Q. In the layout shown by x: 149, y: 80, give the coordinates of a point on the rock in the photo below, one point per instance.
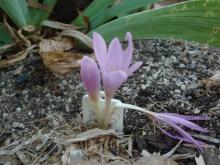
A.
x: 183, y: 87
x: 18, y: 109
x: 182, y: 65
x: 177, y: 91
x: 18, y: 125
x: 22, y: 79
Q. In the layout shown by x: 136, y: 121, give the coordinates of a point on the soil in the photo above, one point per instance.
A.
x: 66, y: 10
x: 32, y: 98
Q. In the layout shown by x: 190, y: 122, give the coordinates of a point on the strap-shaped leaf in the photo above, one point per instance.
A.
x: 92, y: 9
x: 5, y: 37
x: 122, y: 8
x: 17, y: 10
x: 40, y: 14
x: 196, y: 20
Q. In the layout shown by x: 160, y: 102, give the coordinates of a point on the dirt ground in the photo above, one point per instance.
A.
x: 37, y: 108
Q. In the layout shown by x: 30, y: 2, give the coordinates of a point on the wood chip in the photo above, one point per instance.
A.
x: 199, y: 160
x: 90, y: 134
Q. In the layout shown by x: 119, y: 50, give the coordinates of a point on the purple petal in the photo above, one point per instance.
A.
x: 183, y: 133
x: 134, y: 67
x: 112, y: 81
x: 114, y: 57
x: 127, y: 54
x: 100, y: 49
x: 179, y: 137
x: 188, y: 117
x: 181, y: 121
x: 91, y: 78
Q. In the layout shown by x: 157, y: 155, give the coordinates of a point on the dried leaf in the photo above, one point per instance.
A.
x: 53, y: 45
x: 73, y: 156
x: 59, y: 25
x: 90, y: 134
x: 61, y: 63
x: 37, y: 5
x: 78, y: 35
x: 211, y: 82
x: 216, y: 76
x: 152, y: 160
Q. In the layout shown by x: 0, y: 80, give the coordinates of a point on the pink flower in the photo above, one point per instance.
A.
x: 91, y: 78
x: 114, y: 62
x: 178, y: 123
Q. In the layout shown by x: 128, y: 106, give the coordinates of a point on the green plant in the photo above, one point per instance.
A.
x: 5, y: 37
x: 194, y: 20
x: 24, y: 13
x: 110, y: 9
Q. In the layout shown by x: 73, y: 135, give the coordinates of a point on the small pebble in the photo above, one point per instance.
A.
x: 143, y: 86
x: 30, y: 113
x: 183, y: 87
x: 177, y: 91
x: 67, y: 108
x: 18, y: 125
x: 182, y: 65
x: 18, y: 109
x: 197, y: 111
x: 21, y: 78
x: 69, y: 100
x: 5, y: 115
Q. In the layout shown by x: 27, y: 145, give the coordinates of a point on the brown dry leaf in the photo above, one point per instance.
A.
x: 54, y: 57
x: 211, y: 82
x: 61, y: 63
x: 88, y: 135
x: 49, y: 45
x: 35, y: 4
x: 78, y: 35
x: 216, y: 76
x: 59, y: 25
x: 152, y: 160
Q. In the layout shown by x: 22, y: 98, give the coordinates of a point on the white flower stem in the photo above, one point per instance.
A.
x: 129, y: 106
x: 107, y: 112
x: 97, y: 112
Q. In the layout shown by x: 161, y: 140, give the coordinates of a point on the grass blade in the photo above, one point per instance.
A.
x: 196, y: 20
x: 17, y: 10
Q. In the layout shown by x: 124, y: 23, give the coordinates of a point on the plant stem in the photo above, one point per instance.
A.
x: 97, y: 112
x: 107, y: 112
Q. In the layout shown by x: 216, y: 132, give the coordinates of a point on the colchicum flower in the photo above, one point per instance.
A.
x: 179, y: 123
x: 91, y: 78
x: 114, y: 63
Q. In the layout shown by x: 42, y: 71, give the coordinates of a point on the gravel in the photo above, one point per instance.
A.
x: 168, y: 81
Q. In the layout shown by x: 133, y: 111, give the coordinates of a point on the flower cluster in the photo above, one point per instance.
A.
x: 113, y: 69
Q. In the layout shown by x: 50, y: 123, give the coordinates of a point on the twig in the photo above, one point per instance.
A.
x: 207, y: 138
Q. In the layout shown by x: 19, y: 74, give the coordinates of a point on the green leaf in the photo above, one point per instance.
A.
x: 117, y: 10
x: 196, y: 20
x: 17, y: 10
x: 5, y: 35
x: 92, y: 9
x: 39, y: 15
